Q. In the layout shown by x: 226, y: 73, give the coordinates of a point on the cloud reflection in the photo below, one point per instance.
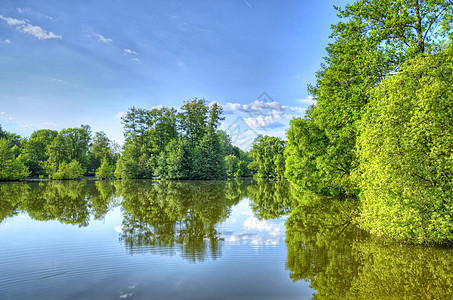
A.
x: 257, y: 232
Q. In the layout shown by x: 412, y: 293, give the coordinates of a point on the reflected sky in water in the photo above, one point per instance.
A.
x: 201, y: 240
x: 242, y: 256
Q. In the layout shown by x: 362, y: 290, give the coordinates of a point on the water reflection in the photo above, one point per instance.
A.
x: 324, y: 247
x: 271, y: 199
x: 341, y: 261
x: 319, y: 237
x: 10, y: 196
x: 70, y: 202
x: 161, y: 216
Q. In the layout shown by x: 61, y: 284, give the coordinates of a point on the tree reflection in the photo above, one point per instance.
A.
x: 70, y: 202
x: 341, y: 261
x: 11, y: 195
x: 101, y: 198
x: 397, y: 271
x: 271, y: 199
x: 167, y: 215
x: 319, y: 238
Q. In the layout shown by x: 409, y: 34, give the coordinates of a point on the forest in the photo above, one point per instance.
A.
x: 381, y: 130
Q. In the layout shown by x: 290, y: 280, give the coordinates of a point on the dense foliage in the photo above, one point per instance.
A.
x: 380, y: 129
x: 371, y: 42
x: 68, y: 154
x: 186, y: 144
x: 406, y: 153
x: 268, y: 157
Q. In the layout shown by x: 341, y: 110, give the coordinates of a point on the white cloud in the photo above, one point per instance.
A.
x: 297, y: 109
x: 136, y: 60
x: 118, y: 228
x: 39, y: 33
x: 257, y: 232
x: 104, y: 39
x: 262, y: 122
x: 257, y: 106
x: 12, y: 21
x: 7, y: 41
x: 129, y: 51
x: 308, y: 100
x: 263, y: 225
x: 28, y: 28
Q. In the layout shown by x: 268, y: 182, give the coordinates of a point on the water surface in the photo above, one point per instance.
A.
x: 200, y: 240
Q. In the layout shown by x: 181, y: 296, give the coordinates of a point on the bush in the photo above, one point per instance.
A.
x: 105, y: 171
x: 72, y: 170
x: 406, y: 153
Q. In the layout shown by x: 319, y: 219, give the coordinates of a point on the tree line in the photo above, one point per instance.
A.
x: 68, y: 154
x: 161, y: 143
x: 382, y: 126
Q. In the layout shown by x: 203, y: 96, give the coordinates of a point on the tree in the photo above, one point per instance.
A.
x: 11, y: 167
x: 372, y: 41
x: 268, y: 153
x: 241, y: 170
x: 100, y: 148
x: 77, y: 143
x: 165, y: 144
x: 179, y: 159
x: 208, y: 160
x: 405, y: 150
x: 193, y: 119
x: 105, y: 171
x: 34, y: 152
x: 71, y: 170
x: 69, y: 145
x: 231, y: 162
x: 307, y: 152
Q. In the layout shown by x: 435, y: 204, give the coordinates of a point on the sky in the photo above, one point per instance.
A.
x: 67, y: 63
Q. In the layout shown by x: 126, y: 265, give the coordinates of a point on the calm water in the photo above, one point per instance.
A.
x: 200, y: 240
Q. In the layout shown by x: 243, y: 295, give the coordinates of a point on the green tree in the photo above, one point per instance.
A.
x: 231, y: 162
x: 372, y: 41
x: 165, y: 144
x: 34, y: 152
x: 241, y: 169
x: 179, y: 160
x: 208, y: 160
x: 268, y: 153
x: 193, y: 119
x: 105, y: 170
x: 405, y: 150
x: 71, y: 170
x: 69, y: 145
x: 306, y: 154
x: 100, y: 148
x: 11, y: 166
x: 77, y: 142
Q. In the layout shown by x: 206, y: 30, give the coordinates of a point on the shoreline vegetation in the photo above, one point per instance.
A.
x: 162, y: 143
x: 381, y: 130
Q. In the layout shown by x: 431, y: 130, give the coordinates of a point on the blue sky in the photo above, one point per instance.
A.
x: 67, y: 63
